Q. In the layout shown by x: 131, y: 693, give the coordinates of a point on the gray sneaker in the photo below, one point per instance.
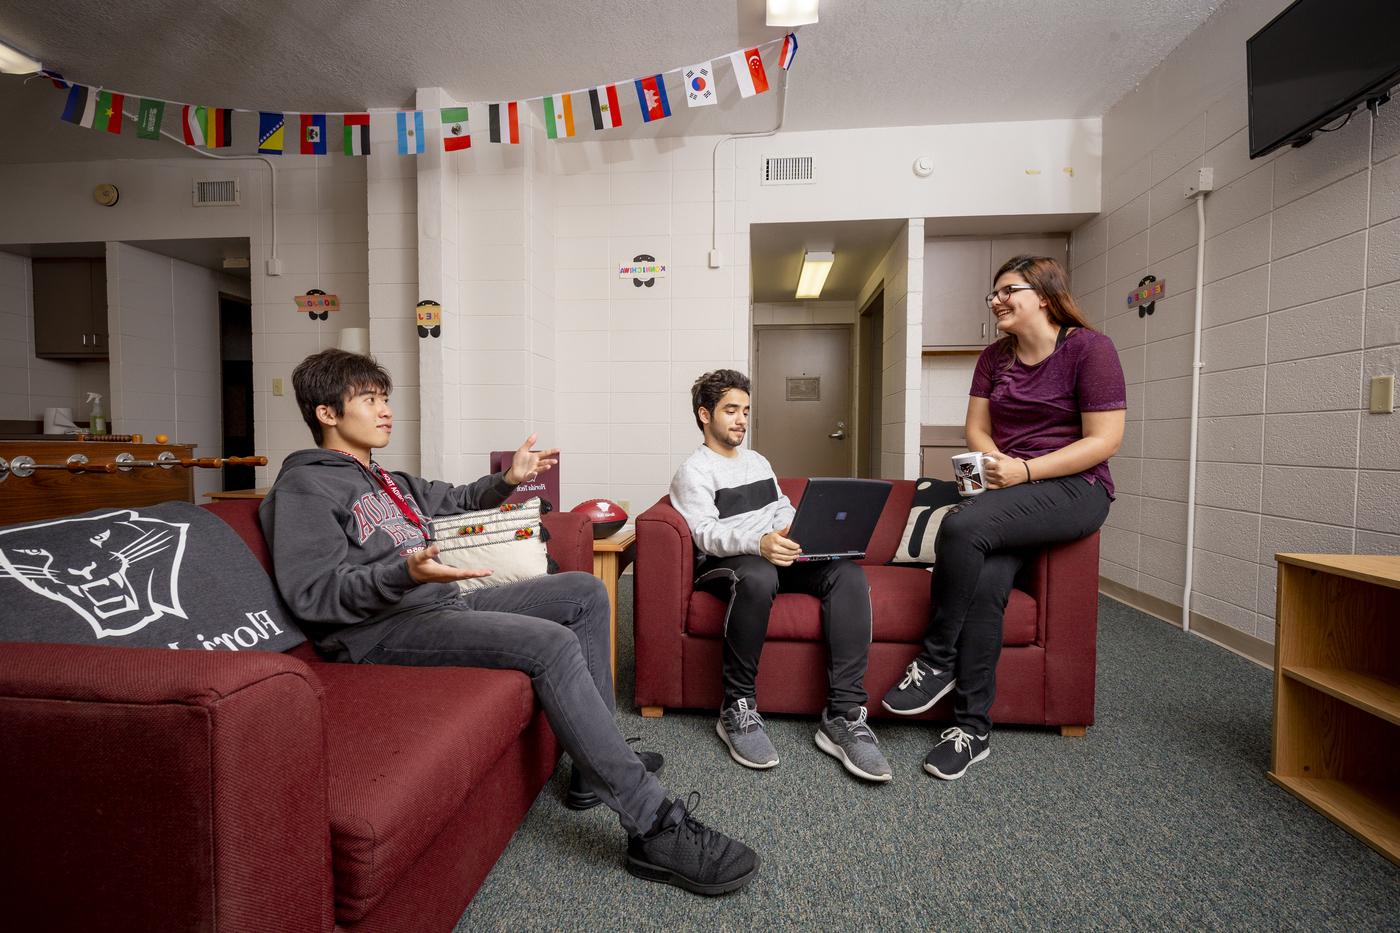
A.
x: 741, y: 728
x: 850, y: 741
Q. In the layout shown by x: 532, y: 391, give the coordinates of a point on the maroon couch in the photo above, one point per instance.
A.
x: 1046, y: 672
x: 192, y: 790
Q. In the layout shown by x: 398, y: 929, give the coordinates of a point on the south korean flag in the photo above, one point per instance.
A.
x: 700, y: 86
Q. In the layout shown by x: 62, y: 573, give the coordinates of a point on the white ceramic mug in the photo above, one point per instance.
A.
x: 967, y: 472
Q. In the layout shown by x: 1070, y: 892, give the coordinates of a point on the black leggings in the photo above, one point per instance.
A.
x: 981, y: 545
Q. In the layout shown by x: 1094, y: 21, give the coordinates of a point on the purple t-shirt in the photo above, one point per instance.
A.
x: 1036, y: 409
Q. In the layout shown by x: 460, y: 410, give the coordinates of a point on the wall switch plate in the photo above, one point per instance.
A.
x: 277, y: 386
x: 1382, y: 394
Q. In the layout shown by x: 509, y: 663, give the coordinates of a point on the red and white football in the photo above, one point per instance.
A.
x: 607, y: 516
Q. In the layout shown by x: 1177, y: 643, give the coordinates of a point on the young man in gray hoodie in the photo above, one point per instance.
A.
x: 350, y: 548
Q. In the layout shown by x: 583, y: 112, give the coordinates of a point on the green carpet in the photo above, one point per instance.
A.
x: 1161, y: 818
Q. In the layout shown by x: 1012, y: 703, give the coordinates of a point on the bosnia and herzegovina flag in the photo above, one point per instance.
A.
x: 356, y: 134
x: 272, y: 133
x: 651, y: 94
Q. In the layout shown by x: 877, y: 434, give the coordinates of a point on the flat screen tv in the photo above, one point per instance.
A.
x: 1315, y: 62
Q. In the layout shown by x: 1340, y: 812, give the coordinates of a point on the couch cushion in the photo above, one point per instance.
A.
x: 404, y: 748
x: 899, y: 600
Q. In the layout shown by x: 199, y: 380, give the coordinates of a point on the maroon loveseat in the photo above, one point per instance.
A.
x: 1046, y: 672
x: 190, y: 790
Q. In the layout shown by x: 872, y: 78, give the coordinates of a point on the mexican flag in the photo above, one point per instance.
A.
x: 456, y: 132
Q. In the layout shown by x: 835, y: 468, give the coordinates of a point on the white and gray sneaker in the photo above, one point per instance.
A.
x: 741, y: 728
x: 850, y: 741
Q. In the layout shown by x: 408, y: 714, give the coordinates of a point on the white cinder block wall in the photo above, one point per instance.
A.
x: 1302, y: 306
x: 28, y: 385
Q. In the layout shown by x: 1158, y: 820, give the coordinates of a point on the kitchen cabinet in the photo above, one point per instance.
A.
x: 958, y: 273
x: 70, y: 308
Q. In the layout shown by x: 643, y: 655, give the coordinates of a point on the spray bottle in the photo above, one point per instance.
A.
x: 97, y: 421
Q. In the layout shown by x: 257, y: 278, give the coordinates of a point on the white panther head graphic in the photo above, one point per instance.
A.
x: 118, y: 571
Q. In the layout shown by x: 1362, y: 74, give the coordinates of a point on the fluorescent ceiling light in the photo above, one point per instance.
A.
x: 15, y: 62
x: 815, y: 268
x: 792, y: 12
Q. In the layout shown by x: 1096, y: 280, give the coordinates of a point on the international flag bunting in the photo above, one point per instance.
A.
x: 272, y: 133
x: 80, y: 105
x: 651, y: 95
x: 559, y: 116
x: 356, y: 134
x: 748, y: 71
x: 789, y: 51
x: 700, y: 85
x: 219, y: 128
x: 193, y: 121
x: 108, y: 117
x: 54, y: 78
x: 149, y: 118
x: 456, y: 132
x: 410, y: 132
x: 505, y: 122
x: 313, y: 134
x: 607, y: 113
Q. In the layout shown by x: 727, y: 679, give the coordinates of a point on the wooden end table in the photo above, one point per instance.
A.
x: 611, y: 556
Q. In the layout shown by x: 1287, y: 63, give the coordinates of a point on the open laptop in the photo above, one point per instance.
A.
x: 836, y: 517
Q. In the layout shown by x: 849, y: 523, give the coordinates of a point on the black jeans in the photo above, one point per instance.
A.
x: 980, y: 547
x: 749, y: 583
x: 555, y: 630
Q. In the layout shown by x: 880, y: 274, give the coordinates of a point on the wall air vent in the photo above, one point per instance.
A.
x: 216, y: 193
x: 788, y: 170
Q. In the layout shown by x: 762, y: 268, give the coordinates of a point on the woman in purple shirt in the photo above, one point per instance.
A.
x: 1047, y: 405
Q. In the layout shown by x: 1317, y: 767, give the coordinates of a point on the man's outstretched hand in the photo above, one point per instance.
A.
x: 528, y: 464
x: 424, y: 567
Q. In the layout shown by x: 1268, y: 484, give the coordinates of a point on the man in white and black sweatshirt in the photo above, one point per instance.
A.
x: 739, y: 520
x: 351, y: 555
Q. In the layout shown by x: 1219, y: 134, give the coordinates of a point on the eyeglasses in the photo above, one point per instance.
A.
x: 1003, y: 293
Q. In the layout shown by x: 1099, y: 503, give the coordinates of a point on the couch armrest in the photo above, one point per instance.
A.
x: 1065, y: 582
x: 662, y: 586
x: 158, y: 789
x: 570, y: 540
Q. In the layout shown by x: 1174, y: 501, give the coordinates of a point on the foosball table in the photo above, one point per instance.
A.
x: 51, y: 478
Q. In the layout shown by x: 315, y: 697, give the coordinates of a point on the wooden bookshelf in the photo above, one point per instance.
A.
x: 1337, y: 690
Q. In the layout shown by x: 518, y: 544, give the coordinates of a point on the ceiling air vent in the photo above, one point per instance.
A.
x: 788, y: 170
x: 216, y: 193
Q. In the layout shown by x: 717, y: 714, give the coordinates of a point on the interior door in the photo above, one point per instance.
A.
x: 802, y: 400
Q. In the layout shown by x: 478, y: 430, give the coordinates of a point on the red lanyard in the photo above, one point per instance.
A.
x: 391, y: 488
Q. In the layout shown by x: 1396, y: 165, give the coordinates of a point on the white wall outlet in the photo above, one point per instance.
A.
x: 274, y: 266
x: 1203, y: 182
x: 1382, y: 394
x: 277, y: 386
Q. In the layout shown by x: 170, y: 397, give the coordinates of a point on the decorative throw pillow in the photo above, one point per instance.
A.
x: 507, y: 540
x: 170, y: 575
x: 933, y: 498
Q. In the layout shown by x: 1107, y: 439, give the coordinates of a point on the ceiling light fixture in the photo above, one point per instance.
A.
x: 15, y: 62
x: 792, y: 12
x: 815, y: 268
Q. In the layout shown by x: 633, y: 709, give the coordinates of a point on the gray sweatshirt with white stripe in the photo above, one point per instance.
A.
x: 729, y: 502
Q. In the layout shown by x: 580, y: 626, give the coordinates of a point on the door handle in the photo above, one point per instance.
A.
x: 840, y: 433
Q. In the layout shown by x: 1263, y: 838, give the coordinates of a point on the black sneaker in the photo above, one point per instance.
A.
x: 680, y: 850
x: 921, y: 687
x: 958, y: 749
x: 581, y: 798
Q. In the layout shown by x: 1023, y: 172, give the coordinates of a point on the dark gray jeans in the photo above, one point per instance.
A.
x: 554, y: 629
